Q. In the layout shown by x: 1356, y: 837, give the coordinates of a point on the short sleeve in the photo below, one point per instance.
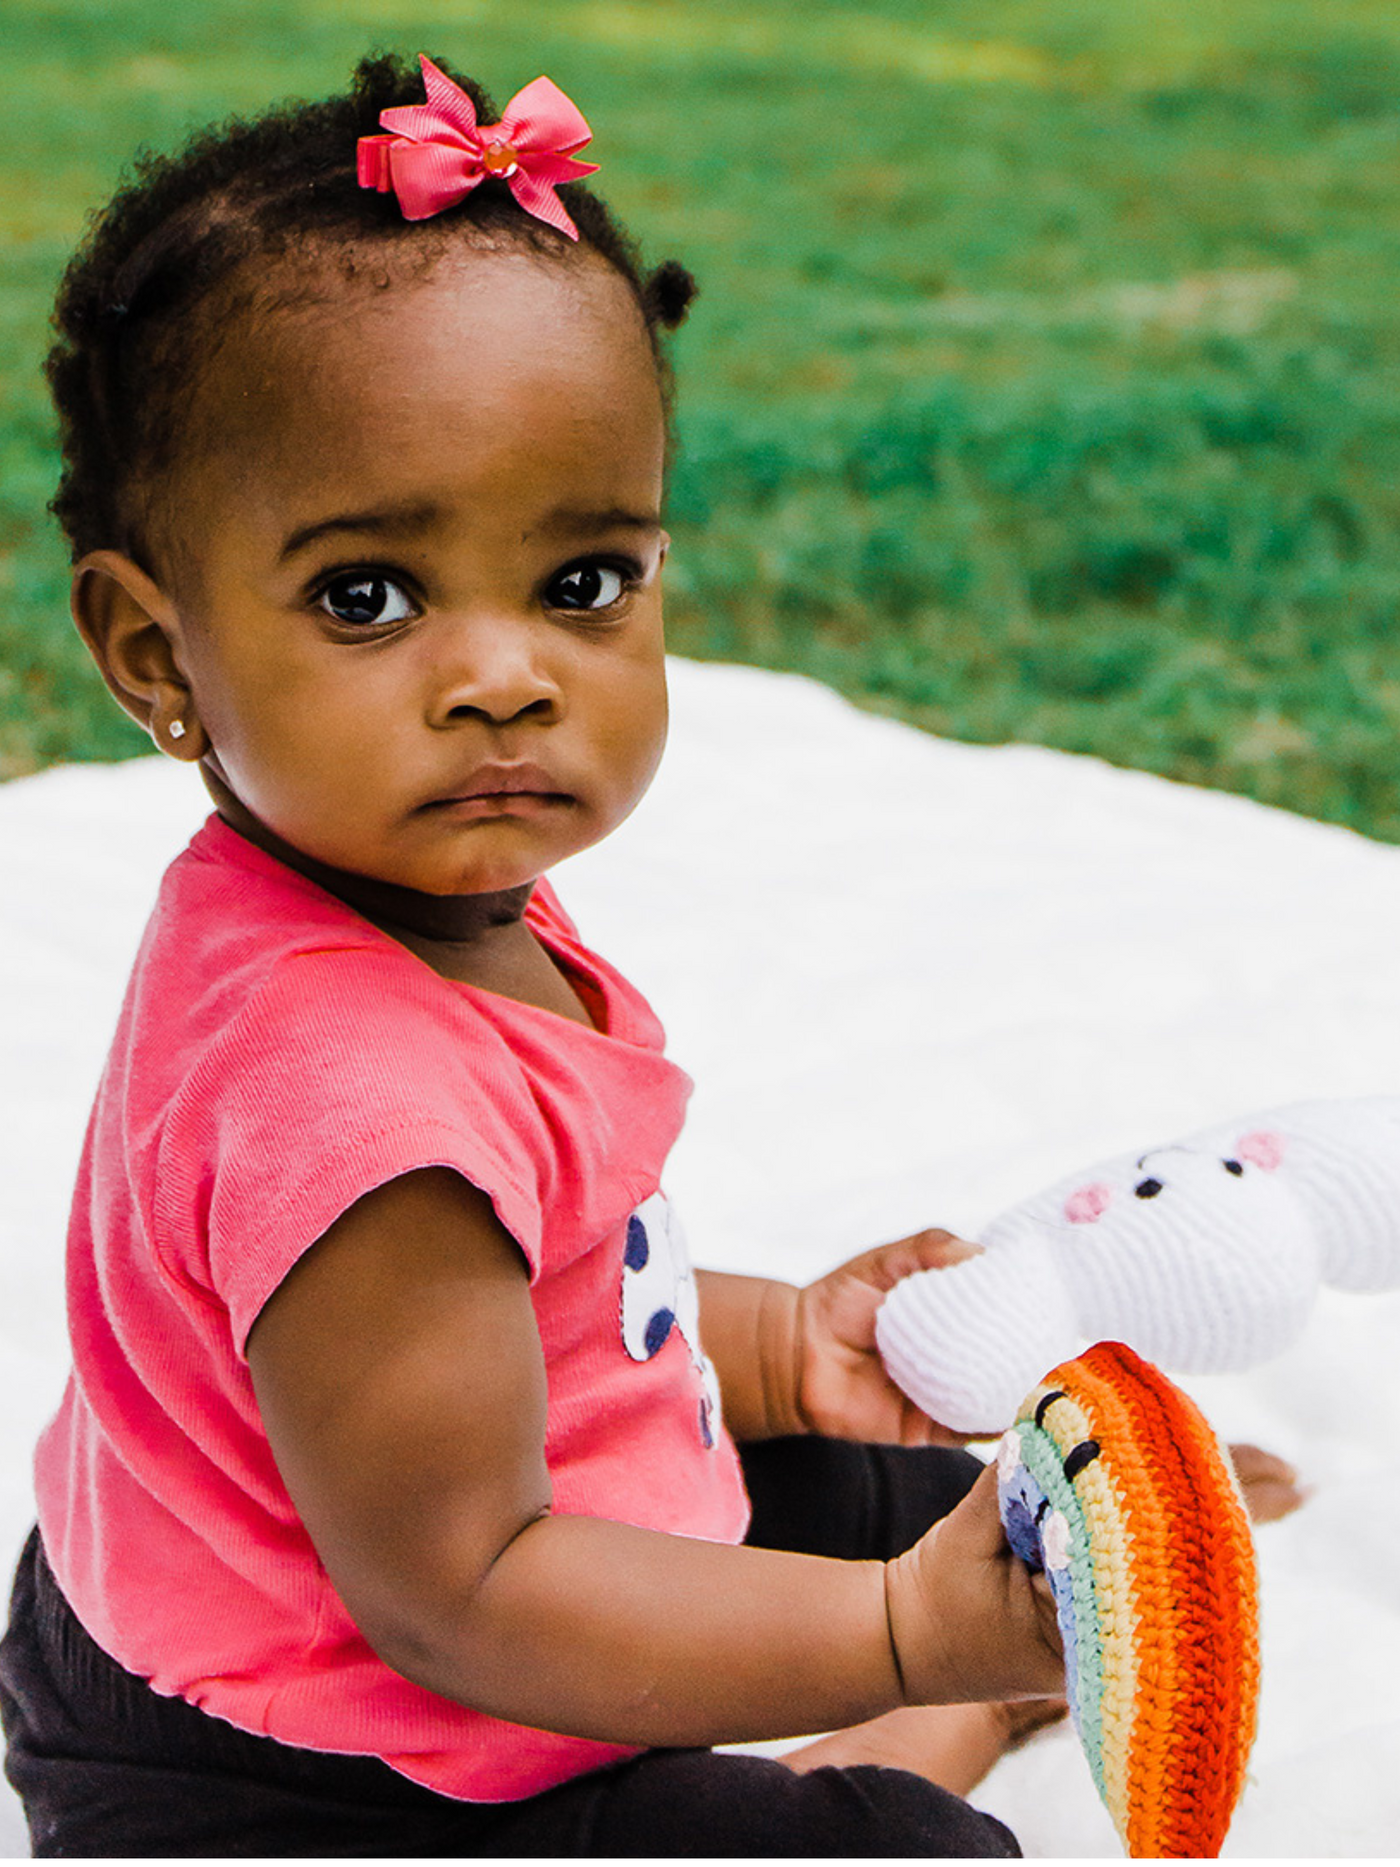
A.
x: 346, y: 1069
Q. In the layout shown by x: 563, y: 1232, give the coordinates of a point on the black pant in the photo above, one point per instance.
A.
x: 107, y: 1767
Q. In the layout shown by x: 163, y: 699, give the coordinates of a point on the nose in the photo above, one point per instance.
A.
x: 495, y: 670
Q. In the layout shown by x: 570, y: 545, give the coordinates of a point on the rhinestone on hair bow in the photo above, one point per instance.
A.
x: 436, y: 153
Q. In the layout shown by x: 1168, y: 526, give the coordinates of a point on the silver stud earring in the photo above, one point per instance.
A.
x: 177, y: 729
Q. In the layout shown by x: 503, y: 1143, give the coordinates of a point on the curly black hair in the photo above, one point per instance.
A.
x: 136, y: 306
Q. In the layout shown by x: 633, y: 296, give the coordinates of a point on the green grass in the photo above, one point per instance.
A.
x: 1045, y: 382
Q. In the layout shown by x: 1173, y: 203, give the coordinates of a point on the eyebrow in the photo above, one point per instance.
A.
x: 586, y: 519
x: 567, y: 522
x: 573, y: 520
x: 410, y: 518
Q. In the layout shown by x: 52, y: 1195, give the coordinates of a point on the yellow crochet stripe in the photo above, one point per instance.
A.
x: 1153, y: 1738
x: 1118, y: 1616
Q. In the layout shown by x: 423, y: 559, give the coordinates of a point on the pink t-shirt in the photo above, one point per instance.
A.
x: 276, y: 1058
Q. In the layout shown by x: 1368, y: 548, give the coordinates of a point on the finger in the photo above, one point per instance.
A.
x: 944, y: 1436
x: 916, y: 1428
x: 931, y: 1250
x: 1040, y: 1586
x: 935, y: 1247
x: 978, y: 1519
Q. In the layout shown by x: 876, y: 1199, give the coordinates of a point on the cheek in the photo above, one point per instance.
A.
x: 253, y: 720
x: 286, y: 743
x: 638, y: 717
x: 255, y: 688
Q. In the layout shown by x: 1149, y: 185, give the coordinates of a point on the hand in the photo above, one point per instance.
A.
x: 968, y: 1619
x: 842, y: 1389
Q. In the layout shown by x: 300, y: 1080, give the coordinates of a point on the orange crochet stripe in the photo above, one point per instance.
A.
x: 1211, y: 1719
x: 1195, y: 1594
x: 1112, y: 1480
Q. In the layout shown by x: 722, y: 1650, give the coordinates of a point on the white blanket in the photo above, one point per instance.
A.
x: 914, y: 980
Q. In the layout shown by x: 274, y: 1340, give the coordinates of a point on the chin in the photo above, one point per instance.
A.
x: 498, y: 879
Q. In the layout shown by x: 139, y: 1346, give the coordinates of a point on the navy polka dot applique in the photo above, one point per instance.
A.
x: 660, y: 1300
x: 638, y: 1249
x: 659, y: 1326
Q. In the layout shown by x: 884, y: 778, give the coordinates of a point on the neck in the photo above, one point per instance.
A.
x: 454, y: 920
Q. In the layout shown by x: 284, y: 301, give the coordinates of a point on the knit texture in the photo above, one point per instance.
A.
x: 1113, y: 1483
x: 1205, y: 1254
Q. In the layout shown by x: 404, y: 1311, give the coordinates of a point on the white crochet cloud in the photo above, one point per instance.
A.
x: 1204, y: 1256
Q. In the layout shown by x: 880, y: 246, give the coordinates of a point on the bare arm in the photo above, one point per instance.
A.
x: 748, y: 1326
x: 401, y: 1382
x: 402, y: 1386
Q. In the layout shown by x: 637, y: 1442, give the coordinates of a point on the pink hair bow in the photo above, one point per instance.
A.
x: 437, y: 154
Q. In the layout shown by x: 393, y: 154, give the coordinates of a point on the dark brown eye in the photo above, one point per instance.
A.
x: 363, y: 600
x: 587, y: 586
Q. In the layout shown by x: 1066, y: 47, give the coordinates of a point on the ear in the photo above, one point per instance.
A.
x: 132, y: 631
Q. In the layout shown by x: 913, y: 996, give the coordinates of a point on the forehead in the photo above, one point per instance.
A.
x: 492, y: 372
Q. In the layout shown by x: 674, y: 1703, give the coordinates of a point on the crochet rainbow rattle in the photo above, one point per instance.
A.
x: 1205, y: 1255
x: 1112, y: 1482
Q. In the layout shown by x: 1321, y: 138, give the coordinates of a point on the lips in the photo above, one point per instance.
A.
x: 504, y: 783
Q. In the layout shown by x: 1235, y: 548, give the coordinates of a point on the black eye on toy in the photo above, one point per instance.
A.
x: 1148, y: 1189
x: 1232, y: 1166
x: 1079, y: 1456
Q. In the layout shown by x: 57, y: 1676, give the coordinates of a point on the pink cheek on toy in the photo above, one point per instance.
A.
x: 1261, y: 1150
x: 1088, y: 1203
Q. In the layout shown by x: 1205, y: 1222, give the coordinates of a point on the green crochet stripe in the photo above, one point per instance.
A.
x: 1046, y: 1463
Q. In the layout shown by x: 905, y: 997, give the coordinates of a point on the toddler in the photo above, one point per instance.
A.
x: 410, y: 1495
